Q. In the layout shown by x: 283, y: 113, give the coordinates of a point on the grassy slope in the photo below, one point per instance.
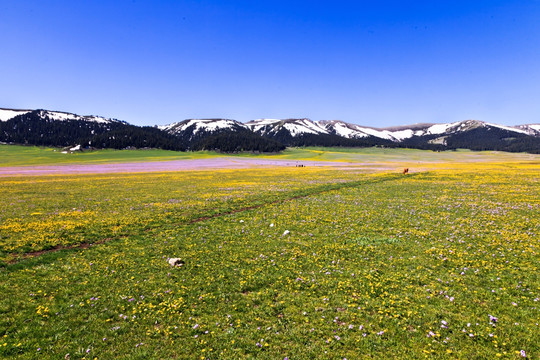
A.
x: 14, y: 155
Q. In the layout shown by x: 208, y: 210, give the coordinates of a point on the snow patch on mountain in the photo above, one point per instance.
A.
x: 439, y: 128
x: 383, y: 134
x: 7, y: 114
x: 443, y: 129
x: 343, y: 129
x: 352, y: 131
x: 346, y: 131
x: 509, y: 128
x: 473, y: 124
x: 303, y: 126
x: 259, y: 125
x: 208, y: 125
x: 294, y: 126
x: 530, y: 129
x: 403, y: 134
x: 64, y: 116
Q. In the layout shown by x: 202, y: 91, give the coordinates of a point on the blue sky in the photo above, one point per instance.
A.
x: 374, y: 63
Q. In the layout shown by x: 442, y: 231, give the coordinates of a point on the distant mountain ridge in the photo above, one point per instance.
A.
x: 397, y: 133
x: 7, y: 114
x: 57, y: 128
x: 195, y: 129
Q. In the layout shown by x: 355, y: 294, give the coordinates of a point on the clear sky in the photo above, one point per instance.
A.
x: 375, y: 63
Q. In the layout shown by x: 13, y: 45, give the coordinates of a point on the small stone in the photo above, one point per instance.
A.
x: 176, y: 262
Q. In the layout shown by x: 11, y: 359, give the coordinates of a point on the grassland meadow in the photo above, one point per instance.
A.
x: 279, y: 263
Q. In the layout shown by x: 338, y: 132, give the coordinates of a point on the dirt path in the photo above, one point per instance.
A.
x: 173, y: 165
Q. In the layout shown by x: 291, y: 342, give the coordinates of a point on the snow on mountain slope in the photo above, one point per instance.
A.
x: 305, y: 126
x: 65, y: 116
x: 351, y: 131
x: 401, y: 133
x: 383, y: 134
x: 295, y: 127
x: 473, y: 124
x: 204, y: 125
x: 509, y: 128
x: 343, y: 129
x: 6, y: 114
x: 438, y: 129
x: 406, y: 132
x: 530, y: 129
x: 260, y: 125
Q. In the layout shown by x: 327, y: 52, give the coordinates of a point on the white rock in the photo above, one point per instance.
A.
x: 176, y: 262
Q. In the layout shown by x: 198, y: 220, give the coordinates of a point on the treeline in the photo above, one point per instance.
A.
x: 232, y: 142
x: 479, y: 139
x: 326, y: 140
x: 494, y: 139
x: 136, y: 137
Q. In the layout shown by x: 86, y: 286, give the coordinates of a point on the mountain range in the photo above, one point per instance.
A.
x: 56, y: 128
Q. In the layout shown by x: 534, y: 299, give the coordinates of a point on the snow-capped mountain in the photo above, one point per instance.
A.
x: 65, y: 116
x: 8, y: 114
x: 354, y: 131
x: 219, y: 134
x: 472, y: 134
x: 195, y: 126
x: 400, y: 133
x: 467, y: 125
x: 294, y: 127
x: 57, y: 128
x: 297, y: 127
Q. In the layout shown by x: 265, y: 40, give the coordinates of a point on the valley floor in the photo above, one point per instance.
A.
x: 280, y: 262
x: 176, y: 165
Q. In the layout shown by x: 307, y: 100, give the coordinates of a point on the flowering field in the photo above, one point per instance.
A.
x: 15, y: 155
x: 293, y: 263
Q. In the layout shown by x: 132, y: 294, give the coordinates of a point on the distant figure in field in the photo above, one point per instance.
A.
x: 406, y: 171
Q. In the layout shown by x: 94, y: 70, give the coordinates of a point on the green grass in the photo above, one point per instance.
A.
x: 15, y: 155
x: 411, y: 156
x: 373, y: 265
